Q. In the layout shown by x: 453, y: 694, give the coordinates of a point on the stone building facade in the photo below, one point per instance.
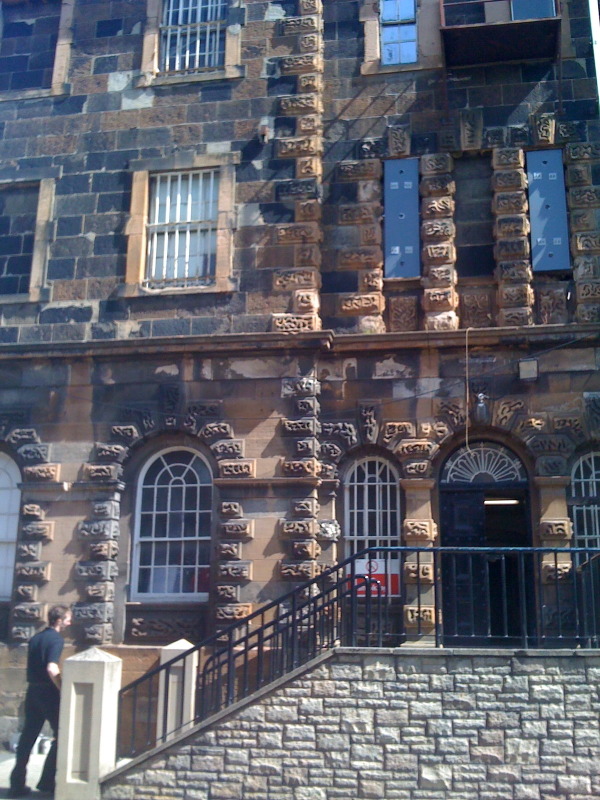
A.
x: 206, y: 285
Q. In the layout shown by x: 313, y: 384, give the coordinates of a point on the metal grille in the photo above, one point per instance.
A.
x: 372, y: 507
x: 483, y: 462
x: 193, y: 35
x: 398, y: 32
x: 182, y: 228
x: 172, y: 552
x: 585, y: 500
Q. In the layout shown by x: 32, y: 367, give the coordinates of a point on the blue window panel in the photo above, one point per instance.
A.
x: 548, y: 211
x: 401, y: 221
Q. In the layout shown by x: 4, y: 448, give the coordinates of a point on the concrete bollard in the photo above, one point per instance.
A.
x: 87, y: 737
x: 179, y: 712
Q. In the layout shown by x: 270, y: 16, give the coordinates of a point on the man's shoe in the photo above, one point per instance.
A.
x: 19, y: 791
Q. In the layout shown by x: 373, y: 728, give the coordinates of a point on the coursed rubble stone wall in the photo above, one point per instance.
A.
x: 399, y: 725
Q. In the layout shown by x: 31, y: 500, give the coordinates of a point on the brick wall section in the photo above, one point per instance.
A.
x: 398, y: 725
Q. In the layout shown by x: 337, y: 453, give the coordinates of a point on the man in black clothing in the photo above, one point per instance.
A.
x: 42, y: 701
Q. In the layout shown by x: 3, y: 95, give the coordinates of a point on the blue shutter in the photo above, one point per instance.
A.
x: 548, y: 211
x: 401, y: 222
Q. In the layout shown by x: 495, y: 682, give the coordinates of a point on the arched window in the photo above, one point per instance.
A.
x: 10, y: 500
x: 171, y: 559
x: 372, y: 506
x: 585, y: 500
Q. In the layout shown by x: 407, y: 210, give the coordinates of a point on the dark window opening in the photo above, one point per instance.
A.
x: 474, y: 220
x: 18, y: 210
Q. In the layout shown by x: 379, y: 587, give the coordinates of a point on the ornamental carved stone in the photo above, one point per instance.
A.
x: 419, y: 616
x: 518, y: 271
x: 416, y: 469
x: 298, y: 570
x: 106, y: 509
x: 227, y: 593
x: 44, y: 473
x: 582, y: 152
x: 230, y: 509
x: 285, y: 280
x: 419, y: 530
x: 343, y: 430
x: 360, y: 257
x: 552, y: 305
x: 301, y: 468
x: 397, y: 430
x: 93, y: 612
x: 103, y: 591
x: 307, y: 548
x: 301, y: 427
x: 33, y: 510
x: 102, y: 472
x: 230, y: 551
x: 299, y: 146
x: 34, y: 453
x: 556, y: 529
x: 30, y: 571
x: 592, y: 412
x: 305, y: 387
x: 39, y: 529
x: 436, y: 164
x: 103, y: 550
x: 306, y: 506
x: 111, y: 452
x: 216, y: 430
x: 96, y: 570
x: 432, y: 207
x: 26, y: 592
x: 329, y: 530
x: 128, y: 433
x: 416, y: 448
x: 307, y: 447
x: 403, y: 313
x: 95, y: 529
x: 235, y: 570
x: 228, y: 448
x: 299, y: 527
x: 98, y: 633
x: 421, y: 574
x: 238, y: 527
x: 554, y: 573
x: 510, y: 203
x: 296, y: 105
x: 295, y: 323
x: 364, y: 170
x: 29, y: 551
x: 31, y: 612
x: 505, y: 157
x: 22, y: 436
x: 398, y: 141
x: 302, y: 64
x: 242, y: 468
x: 233, y: 612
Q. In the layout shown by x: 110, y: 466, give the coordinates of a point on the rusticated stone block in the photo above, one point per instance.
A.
x: 307, y: 528
x: 584, y: 197
x: 508, y: 158
x: 20, y: 436
x: 416, y: 448
x: 439, y: 275
x: 305, y: 386
x: 93, y: 612
x: 556, y: 529
x: 310, y: 42
x: 307, y: 255
x: 216, y: 430
x: 544, y: 128
x: 33, y: 453
x: 238, y: 527
x: 127, y: 432
x: 305, y: 302
x: 364, y: 170
x: 586, y: 268
x: 437, y: 186
x: 584, y: 219
x: 371, y: 281
x: 514, y: 317
x: 98, y: 633
x: 298, y: 105
x: 31, y: 612
x: 310, y: 7
x: 298, y: 233
x: 586, y: 242
x: 305, y: 549
x: 471, y: 128
x: 303, y: 64
x: 398, y: 141
x: 295, y: 323
x: 21, y: 633
x: 514, y: 295
x: 517, y: 225
x: 228, y: 448
x: 588, y: 313
x: 30, y: 571
x: 507, y: 249
x: 299, y: 146
x: 439, y: 228
x: 233, y: 612
x: 508, y: 179
x: 437, y: 207
x: 285, y: 280
x: 102, y: 472
x: 39, y: 529
x: 29, y: 551
x: 358, y: 214
x: 299, y: 25
x: 299, y: 571
x: 476, y: 309
x: 436, y: 164
x: 310, y: 83
x: 234, y: 570
x: 33, y: 510
x: 510, y: 203
x: 301, y: 468
x: 418, y: 573
x: 101, y: 591
x: 552, y: 305
x: 103, y: 550
x: 360, y: 258
x: 513, y: 272
x: 439, y: 253
x: 580, y: 151
x: 441, y: 321
x: 440, y: 299
x: 227, y: 593
x: 96, y: 570
x: 588, y: 291
x: 419, y: 616
x: 308, y: 210
x: 356, y: 304
x: 95, y: 529
x: 579, y: 174
x: 42, y: 472
x: 240, y: 468
x: 370, y: 234
x: 229, y: 551
x: 397, y: 430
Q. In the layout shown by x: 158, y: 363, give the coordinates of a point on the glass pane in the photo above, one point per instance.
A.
x: 390, y: 54
x: 160, y: 553
x: 203, y: 579
x: 408, y: 52
x: 144, y: 580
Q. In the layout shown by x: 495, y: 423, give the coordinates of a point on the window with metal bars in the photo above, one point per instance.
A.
x: 171, y: 559
x: 372, y: 506
x: 398, y: 27
x: 192, y: 35
x: 584, y: 500
x: 10, y: 502
x: 182, y: 228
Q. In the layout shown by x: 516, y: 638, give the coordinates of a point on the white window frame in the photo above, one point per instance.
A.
x: 10, y: 505
x: 192, y: 35
x: 394, y: 27
x: 150, y: 517
x: 138, y: 229
x: 182, y: 229
x: 153, y: 70
x: 386, y: 512
x: 584, y: 497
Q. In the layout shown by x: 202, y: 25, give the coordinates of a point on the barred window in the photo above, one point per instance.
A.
x: 372, y: 506
x: 584, y: 500
x: 398, y: 24
x: 10, y: 499
x: 182, y: 228
x: 171, y: 559
x: 192, y: 35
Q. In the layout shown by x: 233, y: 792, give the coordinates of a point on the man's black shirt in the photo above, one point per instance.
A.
x: 45, y: 647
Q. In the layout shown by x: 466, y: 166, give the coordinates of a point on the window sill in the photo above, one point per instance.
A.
x: 35, y: 295
x: 159, y: 600
x: 138, y: 290
x: 164, y: 79
x: 377, y: 68
x: 60, y: 90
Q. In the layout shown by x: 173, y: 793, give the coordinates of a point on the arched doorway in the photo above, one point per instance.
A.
x: 487, y: 597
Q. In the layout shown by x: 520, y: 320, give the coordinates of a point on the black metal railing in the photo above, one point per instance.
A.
x: 502, y: 597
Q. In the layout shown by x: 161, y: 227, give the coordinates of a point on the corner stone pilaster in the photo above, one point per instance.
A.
x: 584, y: 205
x: 438, y: 233
x: 511, y: 230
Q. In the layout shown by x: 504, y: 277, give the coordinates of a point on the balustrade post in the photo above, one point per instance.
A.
x: 87, y: 739
x: 176, y: 691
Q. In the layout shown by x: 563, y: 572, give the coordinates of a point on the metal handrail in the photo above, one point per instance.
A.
x: 513, y: 596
